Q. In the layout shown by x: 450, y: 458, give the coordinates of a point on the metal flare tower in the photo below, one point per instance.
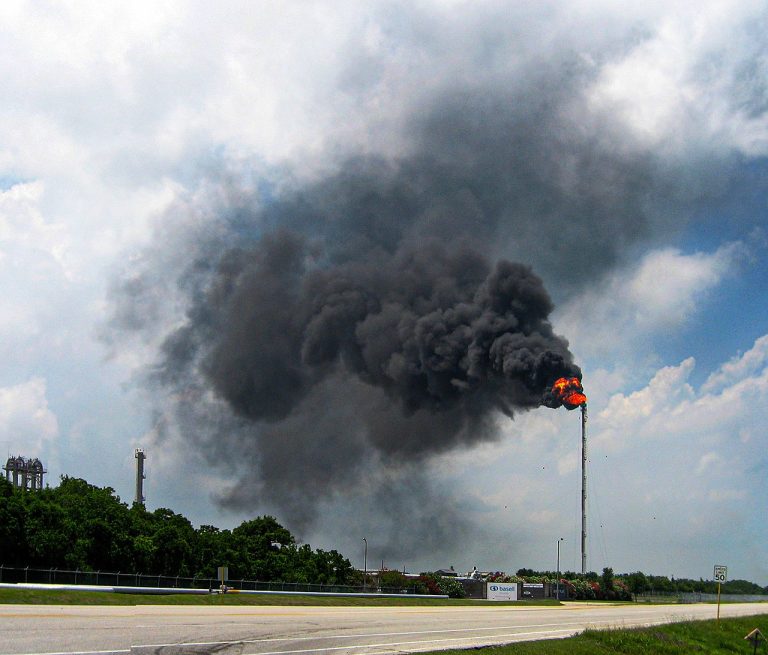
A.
x: 140, y: 476
x: 584, y: 488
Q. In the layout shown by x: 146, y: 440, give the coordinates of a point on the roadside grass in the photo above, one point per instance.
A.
x: 56, y: 597
x: 704, y: 637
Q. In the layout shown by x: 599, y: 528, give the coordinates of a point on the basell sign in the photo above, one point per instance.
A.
x: 502, y: 591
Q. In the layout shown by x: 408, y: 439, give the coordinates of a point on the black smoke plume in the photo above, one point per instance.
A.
x: 329, y: 364
x: 435, y: 328
x: 340, y: 333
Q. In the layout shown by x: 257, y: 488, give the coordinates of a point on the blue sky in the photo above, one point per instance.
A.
x: 132, y: 138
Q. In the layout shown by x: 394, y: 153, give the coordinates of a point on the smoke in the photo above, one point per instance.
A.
x: 434, y: 327
x: 358, y: 324
x: 321, y: 358
x: 339, y: 332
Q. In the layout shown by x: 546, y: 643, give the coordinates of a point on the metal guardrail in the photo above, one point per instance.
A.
x: 119, y: 579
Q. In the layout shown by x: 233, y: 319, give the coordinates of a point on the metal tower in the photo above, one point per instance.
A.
x: 584, y: 488
x: 140, y: 477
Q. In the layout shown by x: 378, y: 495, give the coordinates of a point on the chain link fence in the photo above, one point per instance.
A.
x: 695, y: 597
x: 119, y: 579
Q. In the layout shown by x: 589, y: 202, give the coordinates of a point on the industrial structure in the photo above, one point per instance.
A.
x: 25, y: 473
x: 583, y: 488
x: 140, y: 477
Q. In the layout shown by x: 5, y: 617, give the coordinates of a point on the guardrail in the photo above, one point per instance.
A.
x: 119, y: 579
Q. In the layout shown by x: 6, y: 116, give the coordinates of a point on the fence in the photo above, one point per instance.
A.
x: 696, y: 597
x: 61, y: 576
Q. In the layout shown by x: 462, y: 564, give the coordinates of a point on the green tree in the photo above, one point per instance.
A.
x: 637, y: 582
x: 606, y: 584
x: 13, y: 547
x: 215, y: 548
x: 392, y: 580
x: 262, y: 550
x: 98, y: 522
x: 173, y: 538
x: 48, y: 533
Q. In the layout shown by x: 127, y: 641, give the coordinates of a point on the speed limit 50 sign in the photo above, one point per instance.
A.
x: 721, y: 573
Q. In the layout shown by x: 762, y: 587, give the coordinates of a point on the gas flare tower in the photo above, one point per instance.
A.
x: 584, y: 488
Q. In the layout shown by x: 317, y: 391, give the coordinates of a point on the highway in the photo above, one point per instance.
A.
x: 273, y: 630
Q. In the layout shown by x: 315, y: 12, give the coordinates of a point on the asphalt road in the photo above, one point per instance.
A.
x: 188, y: 630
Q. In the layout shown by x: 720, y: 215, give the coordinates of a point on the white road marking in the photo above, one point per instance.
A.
x: 80, y: 652
x: 429, y: 642
x: 360, y: 635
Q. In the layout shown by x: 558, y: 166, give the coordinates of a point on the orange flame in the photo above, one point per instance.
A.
x: 570, y: 392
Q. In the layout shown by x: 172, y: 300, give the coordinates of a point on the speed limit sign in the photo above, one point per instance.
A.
x: 721, y: 573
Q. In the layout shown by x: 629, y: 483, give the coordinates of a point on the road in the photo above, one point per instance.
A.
x: 188, y: 630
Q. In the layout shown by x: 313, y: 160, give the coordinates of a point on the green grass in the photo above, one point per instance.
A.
x: 54, y: 597
x: 700, y: 637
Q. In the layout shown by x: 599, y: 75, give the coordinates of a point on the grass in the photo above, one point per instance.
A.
x: 700, y: 637
x: 55, y: 597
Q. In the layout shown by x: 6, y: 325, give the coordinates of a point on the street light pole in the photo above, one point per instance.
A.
x: 558, y: 567
x: 365, y: 564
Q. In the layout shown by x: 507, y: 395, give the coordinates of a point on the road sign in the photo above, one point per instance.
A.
x: 756, y: 637
x: 721, y: 573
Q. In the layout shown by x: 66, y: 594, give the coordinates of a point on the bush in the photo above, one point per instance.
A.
x: 392, y: 580
x: 621, y: 590
x: 452, y: 587
x: 440, y: 585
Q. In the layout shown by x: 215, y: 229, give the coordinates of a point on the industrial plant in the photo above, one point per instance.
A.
x: 25, y: 473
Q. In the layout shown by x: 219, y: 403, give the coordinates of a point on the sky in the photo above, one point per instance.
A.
x: 229, y: 236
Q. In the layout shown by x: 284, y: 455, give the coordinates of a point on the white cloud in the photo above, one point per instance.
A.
x: 24, y: 233
x: 665, y: 394
x: 667, y: 284
x: 670, y: 407
x: 26, y: 422
x: 690, y: 442
x: 662, y: 291
x: 696, y: 82
x: 739, y: 368
x: 707, y: 460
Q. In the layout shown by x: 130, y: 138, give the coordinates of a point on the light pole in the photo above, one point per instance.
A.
x: 365, y: 563
x: 558, y: 567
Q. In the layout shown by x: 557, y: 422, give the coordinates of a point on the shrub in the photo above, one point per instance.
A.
x: 440, y: 585
x: 392, y: 580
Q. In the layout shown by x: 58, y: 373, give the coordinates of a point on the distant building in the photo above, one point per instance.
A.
x: 25, y: 473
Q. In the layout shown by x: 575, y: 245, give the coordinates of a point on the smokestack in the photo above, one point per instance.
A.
x: 140, y: 477
x: 569, y: 393
x: 584, y: 488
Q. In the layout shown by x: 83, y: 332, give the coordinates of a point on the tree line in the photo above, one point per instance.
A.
x: 640, y: 583
x: 78, y: 526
